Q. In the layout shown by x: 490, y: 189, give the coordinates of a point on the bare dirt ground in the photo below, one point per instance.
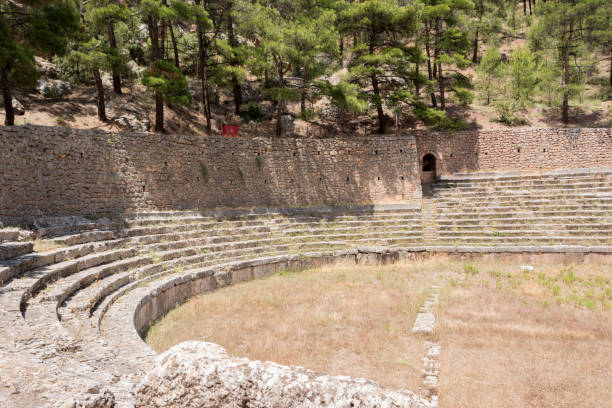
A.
x: 510, y: 338
x: 342, y: 320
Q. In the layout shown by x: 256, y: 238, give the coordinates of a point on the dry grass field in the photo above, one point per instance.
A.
x: 510, y: 338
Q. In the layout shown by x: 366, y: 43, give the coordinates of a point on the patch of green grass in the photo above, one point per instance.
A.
x: 470, y: 269
x: 568, y: 276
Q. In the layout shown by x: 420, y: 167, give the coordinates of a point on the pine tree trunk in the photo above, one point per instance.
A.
x: 525, y: 7
x: 235, y: 84
x: 177, y: 63
x: 566, y: 78
x: 159, y: 98
x: 204, y: 74
x: 304, y: 93
x: 99, y: 95
x: 381, y: 115
x: 115, y: 71
x: 279, y: 106
x: 9, y: 118
x: 530, y: 12
x: 475, y: 52
x: 434, y: 103
x: 441, y: 85
x: 237, y: 95
x: 162, y: 41
x: 159, y: 112
x: 438, y: 65
x: 417, y: 87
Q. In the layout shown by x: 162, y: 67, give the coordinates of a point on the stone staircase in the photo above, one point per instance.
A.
x: 557, y: 208
x: 71, y: 313
x: 429, y: 216
x: 60, y: 309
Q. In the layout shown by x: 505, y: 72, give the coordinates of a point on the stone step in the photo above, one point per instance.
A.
x: 206, y: 228
x: 72, y: 229
x: 64, y: 288
x: 191, y: 220
x: 363, y: 229
x: 534, y: 185
x: 36, y: 280
x: 533, y: 240
x: 603, y: 172
x: 555, y: 215
x: 8, y: 235
x: 526, y: 196
x: 82, y: 238
x: 10, y: 250
x: 522, y: 227
x: 597, y: 205
x: 525, y: 233
x: 17, y: 266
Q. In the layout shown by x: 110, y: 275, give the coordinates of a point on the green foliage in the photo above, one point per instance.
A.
x: 205, y: 175
x: 37, y: 26
x: 508, y: 112
x: 523, y: 75
x: 307, y: 115
x: 252, y: 112
x: 164, y: 77
x: 344, y: 94
x: 490, y: 72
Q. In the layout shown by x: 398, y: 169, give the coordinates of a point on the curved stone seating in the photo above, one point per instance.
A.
x: 74, y: 313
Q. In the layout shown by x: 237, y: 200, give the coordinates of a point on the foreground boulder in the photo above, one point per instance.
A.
x: 53, y: 88
x: 196, y: 374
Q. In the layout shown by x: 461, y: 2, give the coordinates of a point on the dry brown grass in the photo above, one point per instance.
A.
x: 41, y: 245
x: 509, y: 338
x: 526, y: 339
x: 345, y: 320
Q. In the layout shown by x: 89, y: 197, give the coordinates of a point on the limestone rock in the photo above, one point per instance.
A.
x: 53, y: 88
x: 287, y: 123
x: 18, y: 108
x: 46, y: 68
x: 130, y: 122
x: 195, y: 374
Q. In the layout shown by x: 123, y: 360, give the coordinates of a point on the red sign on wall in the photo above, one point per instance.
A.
x: 230, y: 130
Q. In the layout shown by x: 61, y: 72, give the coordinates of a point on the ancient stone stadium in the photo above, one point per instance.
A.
x: 103, y: 234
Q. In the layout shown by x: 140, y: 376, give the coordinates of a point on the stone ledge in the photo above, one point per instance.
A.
x: 196, y: 374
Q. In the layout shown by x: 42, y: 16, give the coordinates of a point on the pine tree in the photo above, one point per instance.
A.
x: 313, y: 38
x: 563, y: 24
x: 186, y: 13
x: 272, y: 55
x: 490, y: 72
x: 102, y: 16
x: 451, y: 44
x: 379, y: 28
x: 159, y: 77
x: 26, y: 27
x: 523, y: 75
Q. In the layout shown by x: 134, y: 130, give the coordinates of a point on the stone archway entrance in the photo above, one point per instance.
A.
x: 428, y: 169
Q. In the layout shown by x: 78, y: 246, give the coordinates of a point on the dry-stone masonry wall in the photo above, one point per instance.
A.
x: 519, y: 149
x: 47, y: 171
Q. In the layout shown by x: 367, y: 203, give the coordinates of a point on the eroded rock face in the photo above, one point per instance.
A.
x: 196, y: 374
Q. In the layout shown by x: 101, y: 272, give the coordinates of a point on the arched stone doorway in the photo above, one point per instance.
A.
x: 428, y: 169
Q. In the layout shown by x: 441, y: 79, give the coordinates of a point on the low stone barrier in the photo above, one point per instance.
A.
x: 203, y: 375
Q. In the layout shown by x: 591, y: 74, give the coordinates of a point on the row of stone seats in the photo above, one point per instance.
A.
x: 557, y: 208
x: 56, y: 298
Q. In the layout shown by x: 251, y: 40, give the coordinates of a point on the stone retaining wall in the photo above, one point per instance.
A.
x: 47, y: 171
x: 518, y: 149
